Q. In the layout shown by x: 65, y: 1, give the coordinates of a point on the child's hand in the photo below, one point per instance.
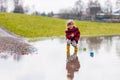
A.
x: 72, y: 35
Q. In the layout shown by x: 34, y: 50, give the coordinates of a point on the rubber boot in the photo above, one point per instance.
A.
x: 75, y: 50
x: 74, y: 56
x: 68, y: 50
x: 68, y: 53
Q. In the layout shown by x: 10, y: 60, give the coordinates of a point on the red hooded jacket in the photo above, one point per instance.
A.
x: 74, y: 31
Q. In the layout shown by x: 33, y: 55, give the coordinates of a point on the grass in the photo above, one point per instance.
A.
x: 38, y: 26
x: 99, y: 28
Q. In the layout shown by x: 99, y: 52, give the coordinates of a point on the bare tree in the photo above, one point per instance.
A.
x: 94, y: 8
x: 43, y: 14
x: 73, y: 13
x: 26, y: 9
x: 118, y: 4
x: 50, y: 14
x: 108, y: 7
x: 3, y: 5
x: 65, y: 13
x: 118, y: 8
x: 18, y: 6
x: 78, y: 9
x: 16, y: 2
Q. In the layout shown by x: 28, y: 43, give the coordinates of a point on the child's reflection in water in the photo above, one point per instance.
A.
x: 72, y: 67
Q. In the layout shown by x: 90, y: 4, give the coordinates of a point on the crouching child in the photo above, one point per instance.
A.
x: 72, y: 37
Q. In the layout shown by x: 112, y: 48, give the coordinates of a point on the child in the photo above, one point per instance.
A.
x: 72, y: 37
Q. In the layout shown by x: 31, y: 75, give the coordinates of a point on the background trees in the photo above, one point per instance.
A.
x: 81, y: 10
x: 18, y: 6
x: 3, y: 5
x: 75, y: 12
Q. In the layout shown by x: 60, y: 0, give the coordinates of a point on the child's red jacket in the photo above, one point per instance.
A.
x: 74, y: 31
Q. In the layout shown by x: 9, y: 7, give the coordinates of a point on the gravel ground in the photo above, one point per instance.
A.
x: 12, y: 44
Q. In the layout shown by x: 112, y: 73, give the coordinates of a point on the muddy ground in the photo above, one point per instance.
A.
x: 13, y: 44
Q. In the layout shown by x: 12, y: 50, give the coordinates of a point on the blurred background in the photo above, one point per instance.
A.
x: 90, y: 10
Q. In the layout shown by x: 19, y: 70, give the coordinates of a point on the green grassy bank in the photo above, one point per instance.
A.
x: 38, y: 26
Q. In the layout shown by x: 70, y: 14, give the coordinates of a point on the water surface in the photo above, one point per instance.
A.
x: 49, y: 63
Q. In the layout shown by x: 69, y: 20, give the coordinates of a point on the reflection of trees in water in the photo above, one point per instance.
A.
x: 108, y: 42
x: 62, y: 40
x: 82, y: 43
x: 94, y: 43
x: 14, y: 47
x: 118, y: 47
x: 17, y: 57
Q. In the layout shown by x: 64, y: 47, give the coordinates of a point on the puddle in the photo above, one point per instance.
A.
x: 50, y: 61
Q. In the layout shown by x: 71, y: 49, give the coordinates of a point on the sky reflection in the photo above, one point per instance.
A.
x: 50, y: 61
